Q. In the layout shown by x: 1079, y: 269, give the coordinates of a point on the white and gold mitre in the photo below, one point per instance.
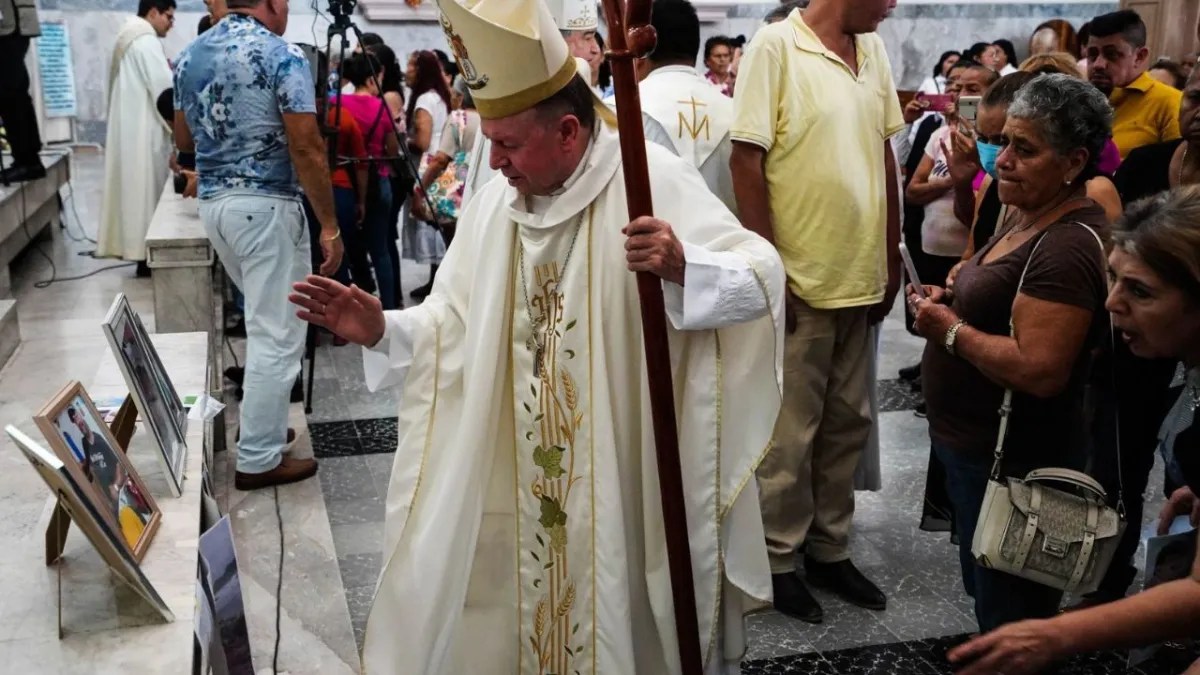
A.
x: 510, y: 52
x: 574, y: 14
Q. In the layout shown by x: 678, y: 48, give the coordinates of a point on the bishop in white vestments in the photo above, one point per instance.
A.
x: 524, y: 529
x: 138, y: 149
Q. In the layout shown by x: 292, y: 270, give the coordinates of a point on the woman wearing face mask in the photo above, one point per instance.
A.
x: 1155, y: 304
x: 943, y: 235
x: 987, y: 212
x: 1139, y: 395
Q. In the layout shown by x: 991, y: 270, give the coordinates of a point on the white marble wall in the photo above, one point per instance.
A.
x: 916, y: 34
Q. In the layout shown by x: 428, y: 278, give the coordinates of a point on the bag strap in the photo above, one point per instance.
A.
x: 1076, y: 478
x: 1006, y: 405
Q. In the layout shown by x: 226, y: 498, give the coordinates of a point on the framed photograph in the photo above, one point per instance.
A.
x: 155, y: 397
x: 81, y: 441
x: 219, y: 569
x: 84, y: 512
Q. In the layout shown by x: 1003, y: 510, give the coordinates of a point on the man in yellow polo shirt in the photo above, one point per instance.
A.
x: 1145, y: 111
x: 813, y: 172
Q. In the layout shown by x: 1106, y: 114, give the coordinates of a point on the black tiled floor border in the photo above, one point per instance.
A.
x: 351, y: 438
x: 928, y: 657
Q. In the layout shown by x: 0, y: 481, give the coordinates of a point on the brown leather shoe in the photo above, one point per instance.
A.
x: 289, y: 471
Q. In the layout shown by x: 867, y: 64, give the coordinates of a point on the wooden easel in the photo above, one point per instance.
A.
x: 60, y: 521
x: 122, y: 428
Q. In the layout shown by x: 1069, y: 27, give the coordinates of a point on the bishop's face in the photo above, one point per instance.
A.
x: 534, y: 153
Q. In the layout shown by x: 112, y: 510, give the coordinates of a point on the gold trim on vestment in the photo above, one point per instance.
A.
x: 592, y: 435
x: 762, y: 455
x: 712, y: 633
x: 512, y: 384
x: 496, y: 108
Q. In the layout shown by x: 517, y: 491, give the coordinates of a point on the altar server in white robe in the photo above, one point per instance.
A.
x: 680, y: 106
x: 524, y: 530
x: 138, y: 149
x: 577, y: 20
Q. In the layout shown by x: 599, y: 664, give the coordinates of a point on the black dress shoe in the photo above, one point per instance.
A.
x: 844, y: 579
x: 143, y: 270
x: 421, y: 292
x: 23, y: 172
x: 910, y: 373
x: 793, y: 598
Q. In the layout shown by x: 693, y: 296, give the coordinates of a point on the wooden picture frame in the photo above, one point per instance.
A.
x: 156, y: 399
x: 105, y: 476
x: 78, y: 503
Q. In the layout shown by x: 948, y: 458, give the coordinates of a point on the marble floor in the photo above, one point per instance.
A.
x: 353, y: 433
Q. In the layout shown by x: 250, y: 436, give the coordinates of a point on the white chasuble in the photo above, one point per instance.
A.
x: 524, y: 527
x: 682, y: 106
x: 138, y: 146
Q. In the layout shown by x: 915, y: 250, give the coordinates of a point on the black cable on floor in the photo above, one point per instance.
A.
x: 278, y: 585
x: 229, y: 346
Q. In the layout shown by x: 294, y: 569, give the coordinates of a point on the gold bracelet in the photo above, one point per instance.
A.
x: 333, y: 238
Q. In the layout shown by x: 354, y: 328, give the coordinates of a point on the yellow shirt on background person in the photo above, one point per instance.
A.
x: 824, y: 131
x: 1146, y: 112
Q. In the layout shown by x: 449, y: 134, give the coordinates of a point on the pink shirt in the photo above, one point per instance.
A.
x: 374, y: 120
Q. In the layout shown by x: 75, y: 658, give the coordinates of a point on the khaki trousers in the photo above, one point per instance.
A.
x: 807, y: 478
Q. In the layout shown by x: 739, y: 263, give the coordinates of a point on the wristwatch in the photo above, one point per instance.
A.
x: 952, y: 336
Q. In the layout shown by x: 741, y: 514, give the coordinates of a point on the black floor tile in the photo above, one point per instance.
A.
x: 328, y: 431
x: 351, y: 438
x: 800, y: 664
x: 897, y: 395
x: 890, y: 659
x: 337, y: 447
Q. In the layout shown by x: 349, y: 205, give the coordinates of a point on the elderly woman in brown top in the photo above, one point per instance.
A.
x: 1053, y: 136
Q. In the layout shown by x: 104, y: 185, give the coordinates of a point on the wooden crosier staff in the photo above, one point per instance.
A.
x: 632, y: 37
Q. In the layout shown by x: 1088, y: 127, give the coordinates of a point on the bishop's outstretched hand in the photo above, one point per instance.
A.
x: 348, y: 311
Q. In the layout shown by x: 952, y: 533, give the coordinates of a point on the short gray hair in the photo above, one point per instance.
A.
x: 1069, y: 112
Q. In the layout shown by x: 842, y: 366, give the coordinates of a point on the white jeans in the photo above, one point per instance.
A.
x: 263, y: 243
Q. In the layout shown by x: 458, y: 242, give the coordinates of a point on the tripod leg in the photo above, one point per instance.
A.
x: 310, y: 349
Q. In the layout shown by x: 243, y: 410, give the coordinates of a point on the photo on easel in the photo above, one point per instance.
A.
x: 78, y: 436
x: 80, y: 505
x: 155, y: 397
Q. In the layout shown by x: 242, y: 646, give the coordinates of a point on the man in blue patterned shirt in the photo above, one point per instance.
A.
x: 246, y: 103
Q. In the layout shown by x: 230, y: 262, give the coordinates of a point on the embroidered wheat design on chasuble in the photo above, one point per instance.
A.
x: 555, y: 418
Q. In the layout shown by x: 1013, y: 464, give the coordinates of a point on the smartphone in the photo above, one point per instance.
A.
x: 938, y: 103
x: 911, y: 270
x: 968, y: 108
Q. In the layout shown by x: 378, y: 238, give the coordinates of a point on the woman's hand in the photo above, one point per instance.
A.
x: 962, y: 156
x: 953, y: 276
x: 1023, y: 648
x: 420, y: 209
x: 1182, y: 502
x: 934, y: 293
x: 932, y: 319
x: 915, y: 109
